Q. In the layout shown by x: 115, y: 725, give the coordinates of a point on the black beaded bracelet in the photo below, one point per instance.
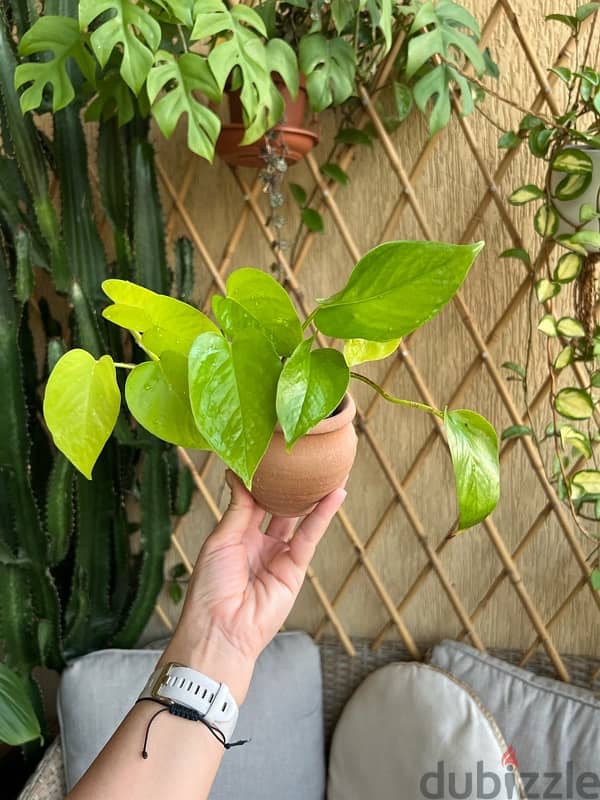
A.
x: 184, y: 712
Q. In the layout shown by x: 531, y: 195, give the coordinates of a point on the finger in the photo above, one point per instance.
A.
x: 310, y: 532
x: 281, y: 527
x: 243, y: 511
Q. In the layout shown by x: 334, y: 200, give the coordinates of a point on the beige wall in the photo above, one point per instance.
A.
x: 449, y: 191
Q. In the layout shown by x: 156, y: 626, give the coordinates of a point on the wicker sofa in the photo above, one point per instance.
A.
x: 342, y: 673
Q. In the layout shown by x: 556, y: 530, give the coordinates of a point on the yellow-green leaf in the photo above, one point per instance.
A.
x: 81, y: 406
x: 473, y: 446
x: 359, y: 351
x: 568, y: 267
x: 547, y: 325
x: 570, y: 436
x: 546, y: 221
x: 525, y: 194
x: 166, y: 323
x: 546, y: 290
x: 585, y: 482
x: 574, y: 403
x: 158, y: 397
x: 571, y: 327
x: 564, y: 358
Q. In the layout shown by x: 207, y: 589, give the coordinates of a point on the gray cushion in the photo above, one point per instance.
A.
x: 553, y: 727
x: 412, y: 731
x: 282, y: 715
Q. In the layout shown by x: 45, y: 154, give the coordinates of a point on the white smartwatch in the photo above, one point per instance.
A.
x: 174, y: 683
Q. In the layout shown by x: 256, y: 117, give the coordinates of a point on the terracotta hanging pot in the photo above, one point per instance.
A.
x: 294, y: 140
x: 290, y: 484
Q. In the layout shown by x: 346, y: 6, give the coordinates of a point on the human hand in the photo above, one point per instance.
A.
x: 244, y: 585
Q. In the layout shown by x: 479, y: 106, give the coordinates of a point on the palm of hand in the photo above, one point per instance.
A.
x: 246, y: 581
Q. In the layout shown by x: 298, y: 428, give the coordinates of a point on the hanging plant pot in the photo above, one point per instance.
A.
x: 294, y: 140
x: 575, y: 183
x: 291, y: 483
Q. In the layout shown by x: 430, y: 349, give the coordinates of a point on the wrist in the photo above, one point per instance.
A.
x: 210, y: 653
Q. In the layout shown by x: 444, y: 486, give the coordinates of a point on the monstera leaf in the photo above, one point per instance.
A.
x: 127, y: 25
x: 182, y: 77
x: 61, y: 37
x: 330, y: 67
x: 240, y: 48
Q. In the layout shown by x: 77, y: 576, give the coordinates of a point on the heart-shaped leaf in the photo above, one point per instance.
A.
x: 166, y: 323
x: 158, y: 397
x: 395, y: 288
x: 81, y: 406
x: 233, y: 386
x: 259, y: 302
x: 311, y: 386
x: 359, y: 351
x: 574, y: 403
x: 473, y: 446
x: 568, y: 267
x: 18, y: 721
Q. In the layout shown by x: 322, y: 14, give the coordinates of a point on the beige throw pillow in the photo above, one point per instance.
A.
x: 413, y: 732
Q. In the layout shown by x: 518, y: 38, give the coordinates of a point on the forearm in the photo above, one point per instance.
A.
x: 183, y: 756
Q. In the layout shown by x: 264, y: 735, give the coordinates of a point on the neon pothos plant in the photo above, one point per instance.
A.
x: 224, y: 386
x: 565, y: 284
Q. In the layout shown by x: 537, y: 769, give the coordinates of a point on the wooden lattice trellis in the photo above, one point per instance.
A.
x: 398, y: 481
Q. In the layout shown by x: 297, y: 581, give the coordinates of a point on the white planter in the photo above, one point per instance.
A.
x: 569, y: 209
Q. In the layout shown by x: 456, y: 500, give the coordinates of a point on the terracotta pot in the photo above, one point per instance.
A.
x: 290, y: 484
x: 297, y: 139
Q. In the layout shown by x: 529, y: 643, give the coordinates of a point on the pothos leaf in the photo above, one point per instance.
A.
x: 232, y: 388
x: 311, y: 386
x: 81, y: 406
x: 473, y: 446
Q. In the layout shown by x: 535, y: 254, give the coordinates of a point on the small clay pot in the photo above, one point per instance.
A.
x: 291, y: 484
x: 297, y: 140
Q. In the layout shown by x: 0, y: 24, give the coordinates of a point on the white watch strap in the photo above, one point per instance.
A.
x: 175, y: 683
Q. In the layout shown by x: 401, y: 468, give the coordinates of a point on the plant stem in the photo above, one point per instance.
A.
x: 124, y: 366
x: 397, y: 400
x: 309, y: 319
x: 140, y: 344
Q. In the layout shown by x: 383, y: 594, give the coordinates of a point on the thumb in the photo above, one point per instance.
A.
x: 243, y: 511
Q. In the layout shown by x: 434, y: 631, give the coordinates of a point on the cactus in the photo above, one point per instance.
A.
x: 69, y: 582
